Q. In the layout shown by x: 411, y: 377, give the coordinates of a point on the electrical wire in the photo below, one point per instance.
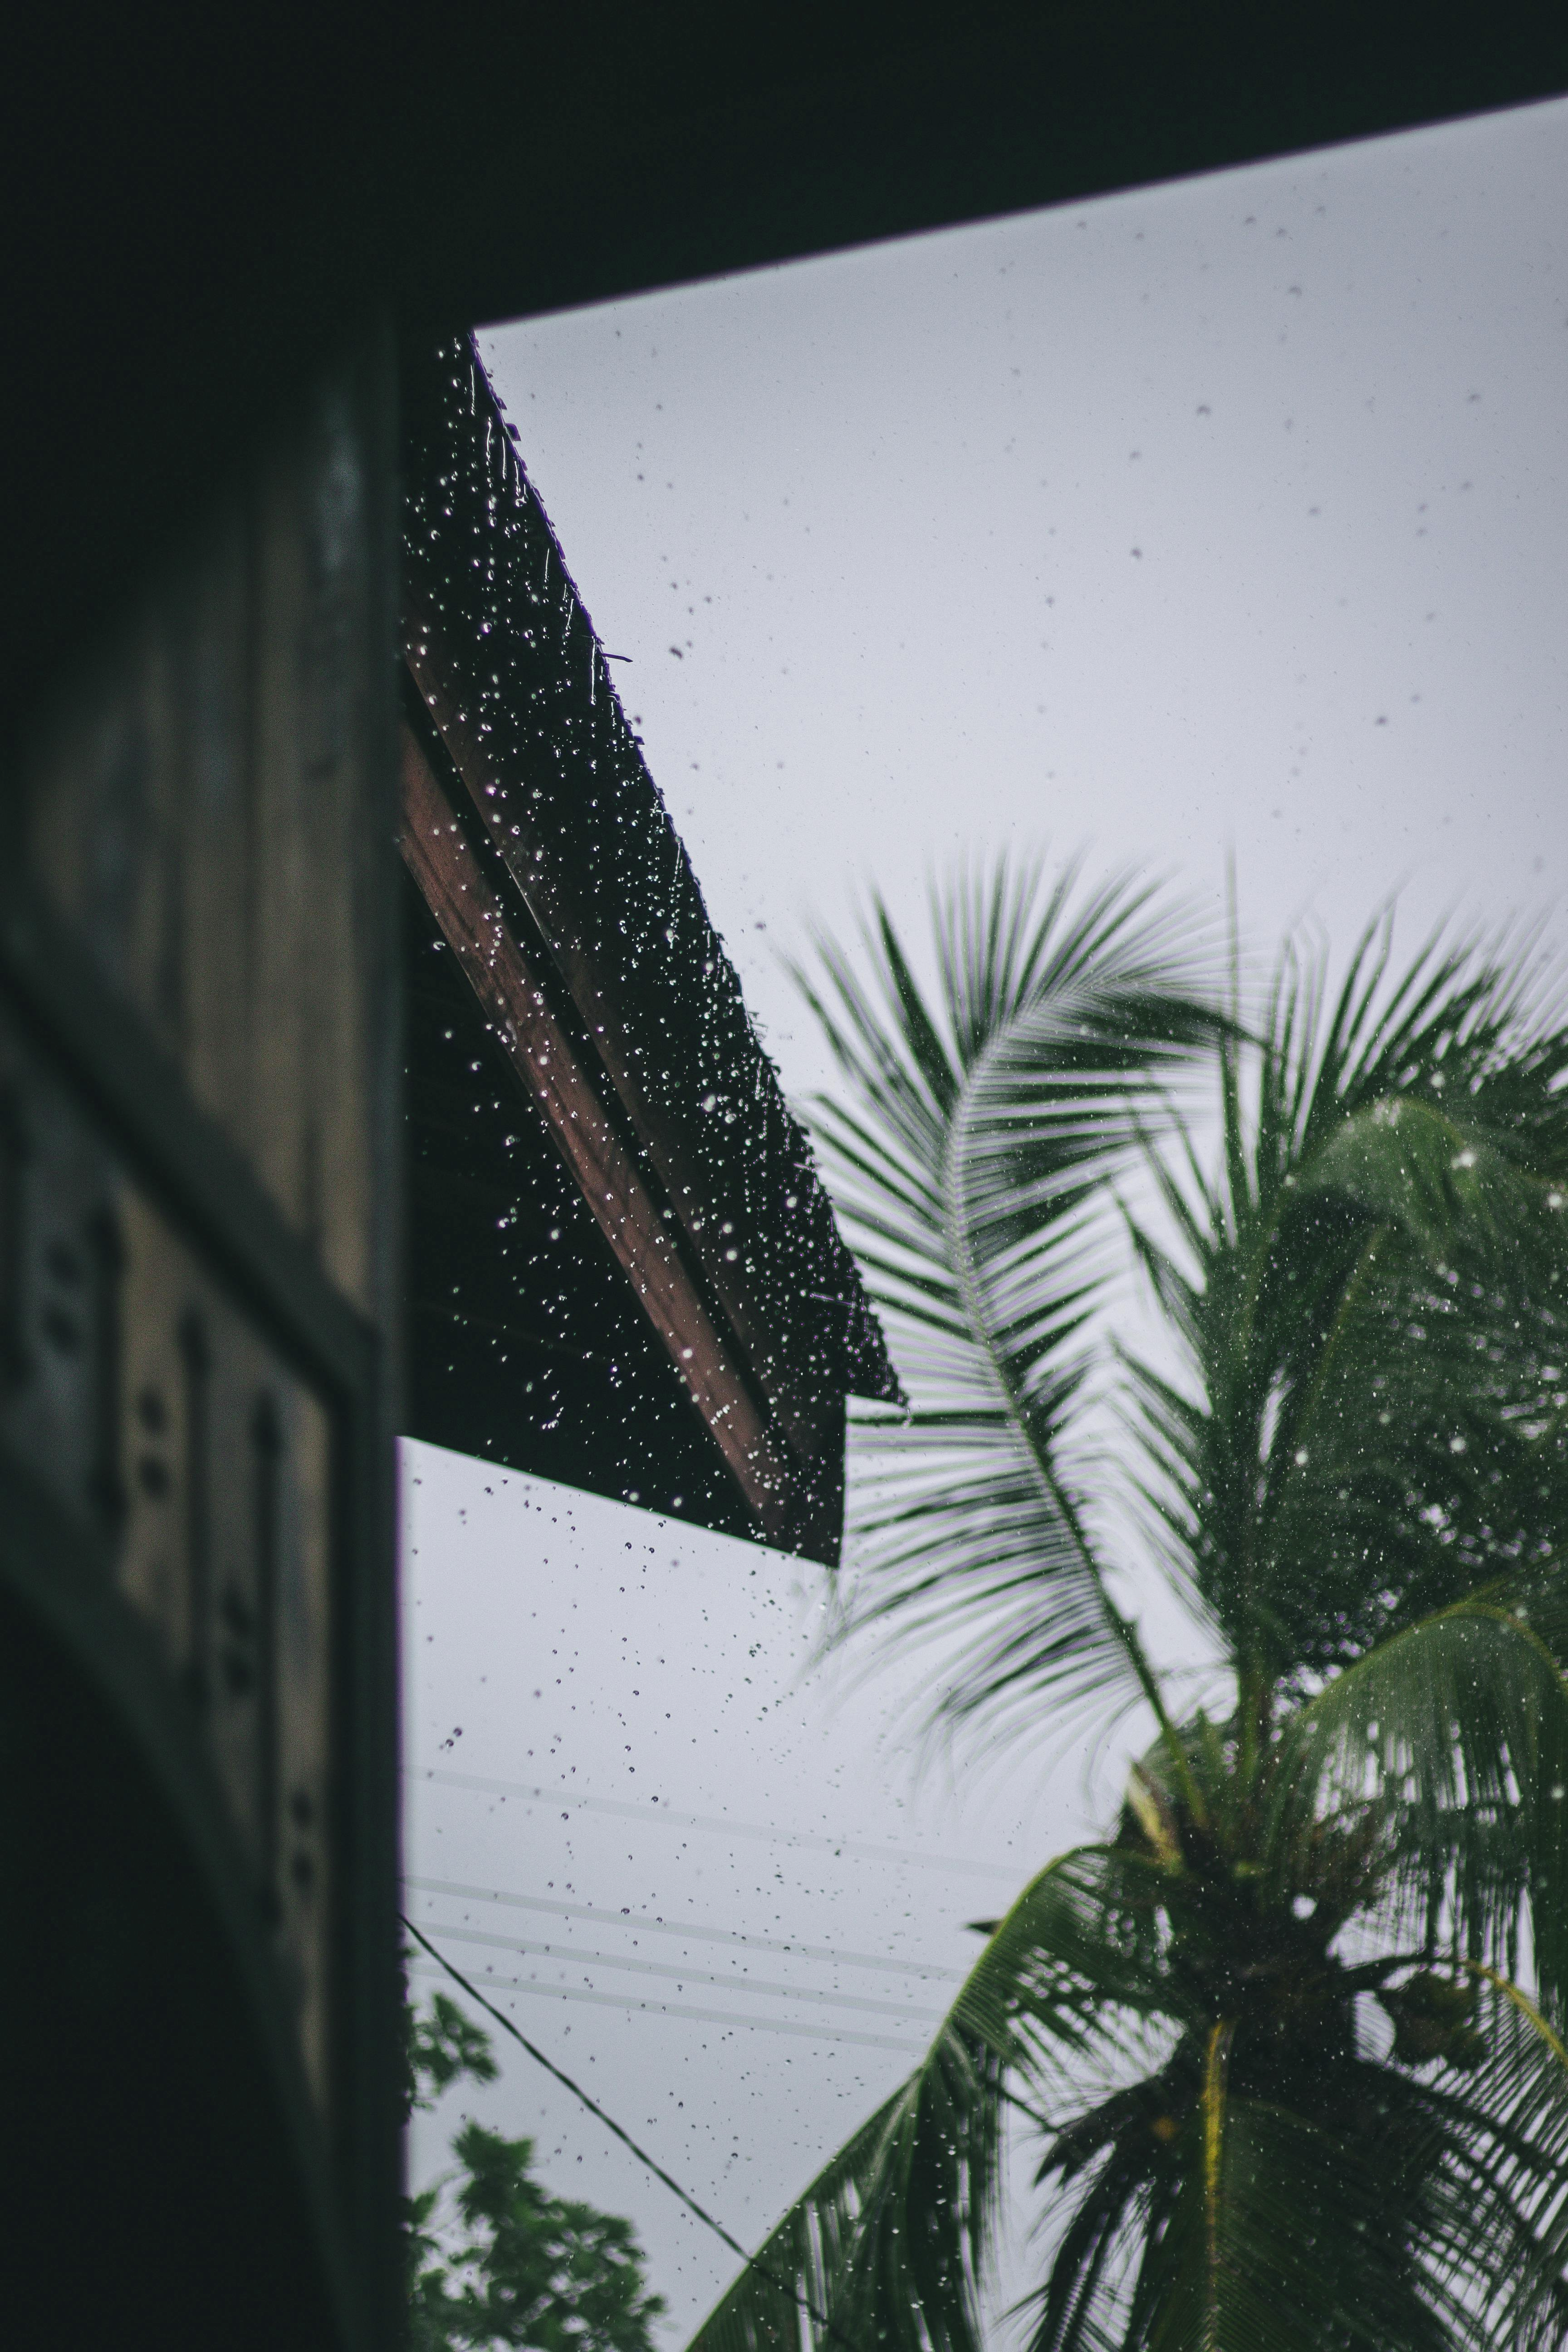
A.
x: 859, y: 1849
x: 653, y: 2008
x: 681, y: 1976
x: 688, y: 1929
x: 787, y: 2286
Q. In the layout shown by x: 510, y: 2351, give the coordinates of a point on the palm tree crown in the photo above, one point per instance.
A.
x: 1272, y: 2034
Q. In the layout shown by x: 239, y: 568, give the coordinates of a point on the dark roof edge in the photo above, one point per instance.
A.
x: 584, y: 831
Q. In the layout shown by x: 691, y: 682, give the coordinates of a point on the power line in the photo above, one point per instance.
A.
x: 651, y: 2007
x: 688, y: 1976
x: 859, y: 1849
x: 788, y: 2287
x: 559, y: 1910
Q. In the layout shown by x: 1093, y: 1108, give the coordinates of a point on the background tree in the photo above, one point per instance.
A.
x: 493, y: 2258
x: 1270, y: 2035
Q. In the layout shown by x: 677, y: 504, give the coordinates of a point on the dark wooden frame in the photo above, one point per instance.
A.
x: 91, y: 1041
x: 144, y: 1110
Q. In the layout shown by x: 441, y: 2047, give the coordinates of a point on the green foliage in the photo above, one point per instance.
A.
x: 1269, y: 2037
x: 509, y: 2264
x: 440, y: 2047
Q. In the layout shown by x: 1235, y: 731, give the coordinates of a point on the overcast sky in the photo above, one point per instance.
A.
x: 1227, y: 517
x: 1227, y: 514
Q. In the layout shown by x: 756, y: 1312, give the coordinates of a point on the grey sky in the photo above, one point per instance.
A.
x: 1229, y: 513
x: 1226, y: 515
x: 609, y: 1714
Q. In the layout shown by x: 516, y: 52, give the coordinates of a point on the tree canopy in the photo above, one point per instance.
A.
x: 494, y: 2259
x: 1286, y: 2039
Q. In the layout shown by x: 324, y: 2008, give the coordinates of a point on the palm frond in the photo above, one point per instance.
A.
x: 1375, y: 1304
x: 1496, y: 2242
x: 1298, y: 2247
x: 783, y: 2298
x: 889, y: 2243
x: 1373, y: 2209
x: 971, y: 1166
x: 1460, y: 1726
x: 1377, y: 2211
x: 1362, y: 1475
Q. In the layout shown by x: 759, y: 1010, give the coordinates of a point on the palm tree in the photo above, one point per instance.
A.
x: 1287, y: 2039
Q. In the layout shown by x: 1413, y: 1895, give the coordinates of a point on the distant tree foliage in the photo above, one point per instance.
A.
x: 493, y: 2258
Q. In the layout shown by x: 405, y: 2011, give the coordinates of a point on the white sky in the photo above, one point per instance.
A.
x: 1225, y: 516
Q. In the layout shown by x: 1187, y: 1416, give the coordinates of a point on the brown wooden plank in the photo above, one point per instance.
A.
x: 449, y: 875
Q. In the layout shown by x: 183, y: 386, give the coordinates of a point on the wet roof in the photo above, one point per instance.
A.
x: 506, y: 658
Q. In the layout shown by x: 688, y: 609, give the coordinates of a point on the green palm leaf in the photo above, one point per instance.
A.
x: 1512, y: 2200
x: 1374, y: 1301
x: 972, y: 1161
x: 889, y: 2243
x: 1286, y: 2088
x: 1374, y: 2211
x: 1460, y: 1726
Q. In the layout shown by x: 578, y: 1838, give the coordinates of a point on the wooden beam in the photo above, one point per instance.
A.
x: 438, y: 857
